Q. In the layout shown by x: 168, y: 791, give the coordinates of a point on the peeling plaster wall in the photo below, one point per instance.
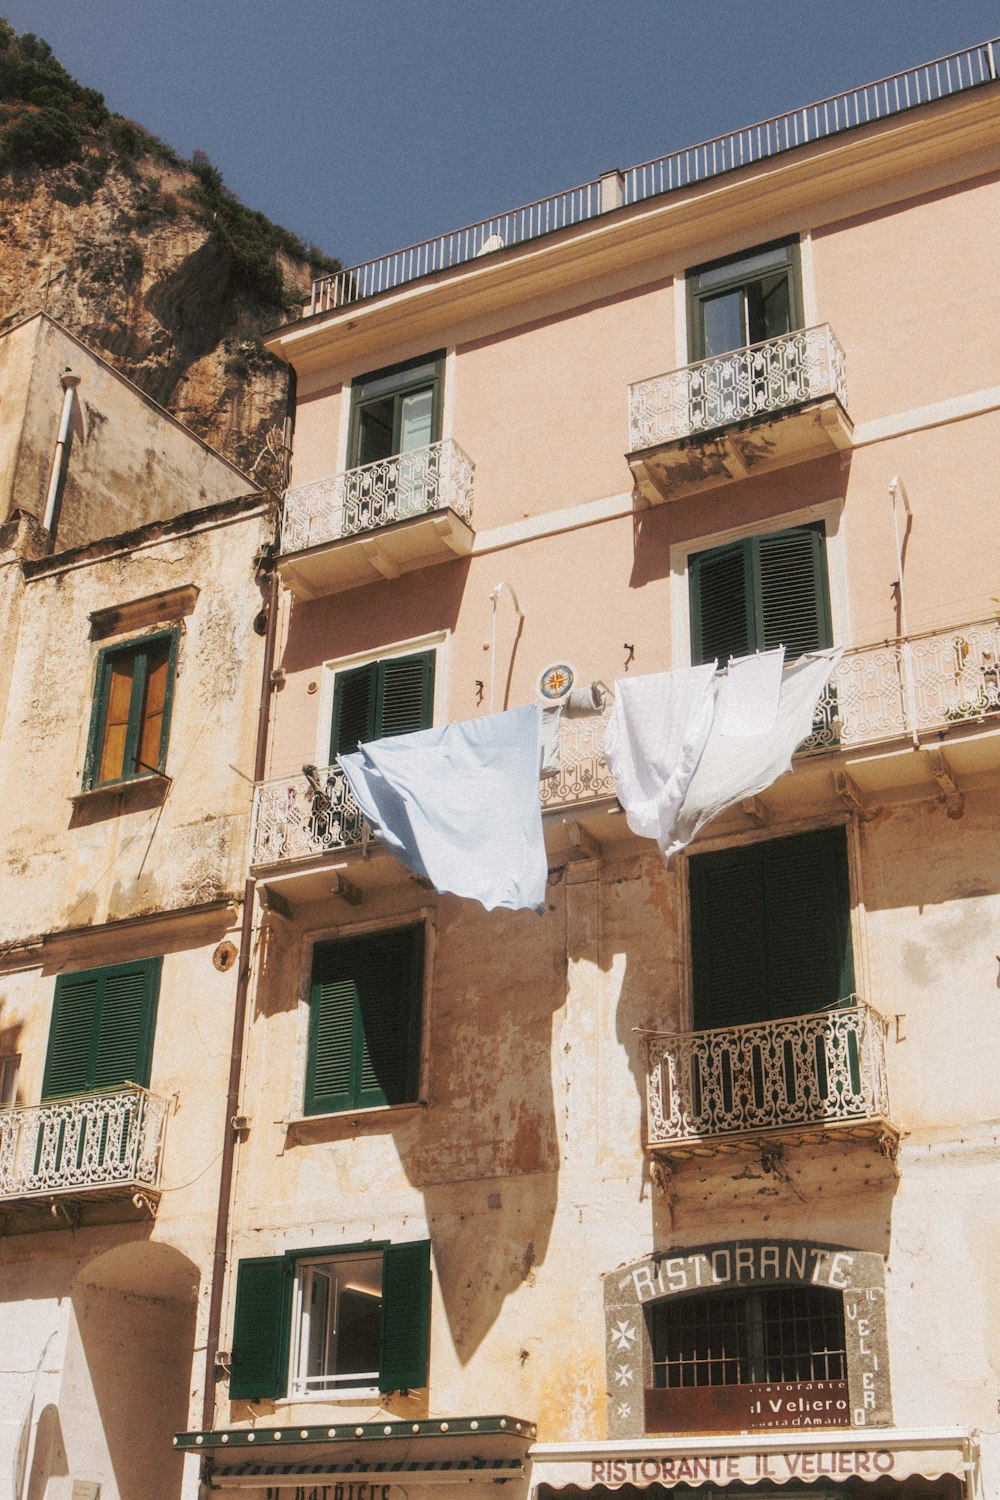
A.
x: 129, y: 461
x: 526, y: 1166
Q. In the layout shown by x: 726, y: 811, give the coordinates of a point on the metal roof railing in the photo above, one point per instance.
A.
x: 953, y: 74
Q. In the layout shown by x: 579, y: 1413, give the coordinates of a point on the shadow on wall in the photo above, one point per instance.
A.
x: 48, y: 1459
x: 135, y: 1311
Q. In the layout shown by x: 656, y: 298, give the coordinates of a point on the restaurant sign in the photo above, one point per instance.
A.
x: 748, y: 1408
x: 744, y: 1468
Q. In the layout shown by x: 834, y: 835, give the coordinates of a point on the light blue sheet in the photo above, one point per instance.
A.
x: 459, y: 805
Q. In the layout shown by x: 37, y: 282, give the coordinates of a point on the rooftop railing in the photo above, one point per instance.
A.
x: 84, y: 1143
x: 436, y: 477
x: 924, y: 683
x: 953, y: 74
x: 827, y: 1068
x: 769, y: 377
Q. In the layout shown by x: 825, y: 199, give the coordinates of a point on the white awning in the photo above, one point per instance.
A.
x: 785, y: 1457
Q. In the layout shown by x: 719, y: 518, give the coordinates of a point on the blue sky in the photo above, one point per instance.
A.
x: 366, y: 126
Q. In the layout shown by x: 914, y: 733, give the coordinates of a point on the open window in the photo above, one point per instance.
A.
x: 744, y: 299
x: 365, y: 1021
x: 332, y: 1323
x: 130, y: 721
x: 396, y: 410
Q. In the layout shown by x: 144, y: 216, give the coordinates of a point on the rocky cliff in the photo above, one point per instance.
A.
x: 146, y: 257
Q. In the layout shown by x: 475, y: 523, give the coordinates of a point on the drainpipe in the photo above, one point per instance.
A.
x: 897, y: 493
x: 69, y: 383
x: 494, y: 597
x: 239, y: 1023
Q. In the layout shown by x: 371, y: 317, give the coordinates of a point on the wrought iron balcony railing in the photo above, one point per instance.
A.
x: 953, y: 74
x: 436, y: 477
x: 770, y: 377
x: 303, y: 817
x: 921, y: 684
x: 82, y: 1144
x: 814, y: 1070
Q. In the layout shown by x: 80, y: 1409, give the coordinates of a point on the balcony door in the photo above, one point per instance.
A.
x: 395, y: 417
x: 771, y: 930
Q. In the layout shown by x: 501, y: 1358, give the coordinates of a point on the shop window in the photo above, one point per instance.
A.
x: 760, y: 593
x: 771, y: 929
x: 101, y: 1034
x: 130, y: 721
x: 382, y: 698
x: 771, y: 1334
x: 396, y: 410
x: 332, y: 1323
x: 744, y: 299
x: 365, y: 1021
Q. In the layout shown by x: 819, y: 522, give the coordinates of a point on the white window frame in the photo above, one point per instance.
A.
x: 829, y: 512
x: 9, y: 1068
x: 298, y: 1387
x: 437, y: 642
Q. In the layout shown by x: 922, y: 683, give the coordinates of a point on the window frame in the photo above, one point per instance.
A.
x: 298, y: 1387
x: 406, y: 383
x: 696, y: 296
x: 332, y: 669
x: 137, y: 648
x: 10, y: 1067
x: 413, y: 1047
x: 377, y: 667
x: 266, y: 1307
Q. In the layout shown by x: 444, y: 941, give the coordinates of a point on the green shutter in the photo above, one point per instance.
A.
x: 728, y: 936
x: 389, y: 994
x: 770, y: 929
x: 721, y: 607
x: 333, y: 1036
x: 102, y: 1028
x: 406, y: 1316
x: 790, y: 577
x: 405, y: 694
x: 74, y: 1012
x: 760, y: 593
x: 261, y: 1329
x: 364, y: 1024
x: 354, y: 701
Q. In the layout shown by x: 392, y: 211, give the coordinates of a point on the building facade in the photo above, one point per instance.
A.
x: 128, y: 711
x: 689, y: 1181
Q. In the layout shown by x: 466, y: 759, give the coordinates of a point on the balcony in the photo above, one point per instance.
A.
x: 808, y: 1076
x: 939, y: 692
x: 387, y: 518
x: 91, y: 1156
x: 747, y: 412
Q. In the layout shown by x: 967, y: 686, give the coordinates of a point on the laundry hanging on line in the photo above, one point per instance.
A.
x: 459, y: 805
x: 685, y: 745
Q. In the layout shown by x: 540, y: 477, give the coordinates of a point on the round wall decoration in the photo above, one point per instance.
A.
x: 556, y: 681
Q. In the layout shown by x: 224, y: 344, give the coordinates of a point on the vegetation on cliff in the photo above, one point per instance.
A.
x: 149, y: 258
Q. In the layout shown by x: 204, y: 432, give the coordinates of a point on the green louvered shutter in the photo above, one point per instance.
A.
x: 728, y: 938
x: 103, y: 1022
x: 261, y: 1329
x: 389, y: 992
x: 406, y: 694
x: 406, y: 1316
x: 74, y: 1015
x: 354, y: 702
x: 364, y: 1024
x: 721, y: 604
x: 333, y: 1036
x: 793, y: 597
x: 760, y: 593
x: 125, y: 1036
x: 810, y: 958
x: 770, y: 929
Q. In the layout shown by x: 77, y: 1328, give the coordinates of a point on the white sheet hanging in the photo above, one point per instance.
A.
x: 459, y: 805
x: 678, y: 747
